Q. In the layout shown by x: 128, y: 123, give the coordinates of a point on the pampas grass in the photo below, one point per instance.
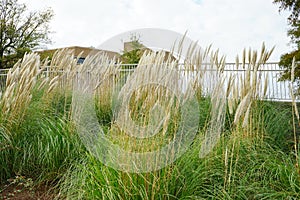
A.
x: 295, y: 113
x: 20, y: 82
x: 142, y: 111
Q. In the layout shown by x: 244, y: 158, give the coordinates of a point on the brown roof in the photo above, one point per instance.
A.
x: 85, y: 51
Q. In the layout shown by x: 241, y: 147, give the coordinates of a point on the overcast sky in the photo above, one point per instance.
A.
x: 229, y: 25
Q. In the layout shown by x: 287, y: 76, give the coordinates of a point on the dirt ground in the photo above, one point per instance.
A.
x: 20, y: 192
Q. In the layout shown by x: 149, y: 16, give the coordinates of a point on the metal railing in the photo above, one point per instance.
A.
x: 3, y: 75
x: 269, y: 74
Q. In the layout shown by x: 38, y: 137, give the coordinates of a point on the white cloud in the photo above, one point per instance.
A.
x: 229, y: 25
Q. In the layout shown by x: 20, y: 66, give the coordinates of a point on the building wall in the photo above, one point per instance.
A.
x: 84, y: 51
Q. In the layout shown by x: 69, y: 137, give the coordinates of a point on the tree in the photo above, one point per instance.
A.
x: 133, y: 50
x: 292, y: 6
x: 21, y: 31
x: 294, y: 33
x: 293, y: 19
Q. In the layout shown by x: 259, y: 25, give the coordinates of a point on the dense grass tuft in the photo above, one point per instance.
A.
x: 255, y: 156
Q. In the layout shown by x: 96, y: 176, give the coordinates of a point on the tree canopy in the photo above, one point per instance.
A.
x: 293, y: 6
x: 134, y: 51
x: 21, y: 30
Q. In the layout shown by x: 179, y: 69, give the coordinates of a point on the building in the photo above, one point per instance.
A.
x: 80, y: 53
x: 83, y: 52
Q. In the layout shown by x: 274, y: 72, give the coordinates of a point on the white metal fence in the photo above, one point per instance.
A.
x: 269, y: 73
x: 3, y: 75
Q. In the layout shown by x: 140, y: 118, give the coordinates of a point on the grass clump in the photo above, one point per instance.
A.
x: 244, y: 147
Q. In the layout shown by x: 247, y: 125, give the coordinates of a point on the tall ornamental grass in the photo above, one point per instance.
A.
x: 244, y: 147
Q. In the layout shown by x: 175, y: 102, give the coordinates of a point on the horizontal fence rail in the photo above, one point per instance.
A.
x: 269, y: 74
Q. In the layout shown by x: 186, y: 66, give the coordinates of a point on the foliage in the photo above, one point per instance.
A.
x: 286, y: 62
x: 20, y: 30
x: 46, y: 55
x: 239, y: 168
x: 292, y: 6
x: 294, y: 33
x: 134, y: 52
x: 9, y: 60
x: 251, y: 159
x: 131, y: 57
